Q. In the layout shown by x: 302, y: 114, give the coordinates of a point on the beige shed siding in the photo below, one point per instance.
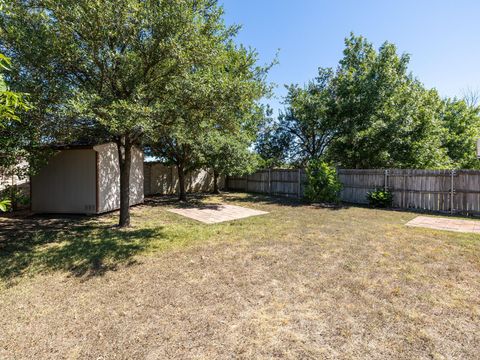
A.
x: 66, y: 184
x: 109, y: 177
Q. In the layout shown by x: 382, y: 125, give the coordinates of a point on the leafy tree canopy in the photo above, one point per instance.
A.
x: 387, y: 118
x: 114, y: 70
x: 306, y: 127
x: 220, y: 96
x: 11, y: 103
x: 462, y: 130
x: 227, y: 154
x: 372, y: 113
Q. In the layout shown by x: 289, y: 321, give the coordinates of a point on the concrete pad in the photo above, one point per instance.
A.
x: 447, y: 224
x: 212, y: 214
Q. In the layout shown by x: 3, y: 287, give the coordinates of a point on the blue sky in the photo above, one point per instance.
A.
x: 442, y: 37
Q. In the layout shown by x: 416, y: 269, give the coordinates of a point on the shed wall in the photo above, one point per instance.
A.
x: 109, y: 177
x: 66, y: 184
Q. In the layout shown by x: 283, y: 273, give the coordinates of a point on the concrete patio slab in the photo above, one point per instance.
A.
x: 212, y: 214
x: 447, y: 224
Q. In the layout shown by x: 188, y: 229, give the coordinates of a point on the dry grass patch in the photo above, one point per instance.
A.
x: 299, y: 282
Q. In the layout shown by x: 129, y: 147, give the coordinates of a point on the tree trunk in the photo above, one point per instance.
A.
x: 215, y: 183
x: 182, y: 195
x: 125, y: 160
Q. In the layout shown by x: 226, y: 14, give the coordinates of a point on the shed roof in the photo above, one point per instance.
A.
x: 75, y: 146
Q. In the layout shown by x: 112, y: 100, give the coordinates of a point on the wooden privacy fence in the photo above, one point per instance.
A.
x: 280, y: 182
x: 161, y: 179
x: 455, y: 191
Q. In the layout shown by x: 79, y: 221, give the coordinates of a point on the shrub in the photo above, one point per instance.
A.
x: 380, y: 198
x: 322, y: 182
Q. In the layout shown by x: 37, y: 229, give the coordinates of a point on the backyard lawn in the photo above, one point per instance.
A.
x: 302, y: 282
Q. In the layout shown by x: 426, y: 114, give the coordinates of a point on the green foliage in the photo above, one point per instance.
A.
x: 15, y: 196
x: 136, y: 72
x: 272, y: 145
x: 322, y: 182
x: 372, y: 113
x: 388, y: 118
x: 462, y: 130
x: 219, y: 112
x: 380, y: 198
x: 4, y: 205
x: 228, y: 155
x: 306, y: 127
x: 117, y: 58
x: 11, y: 103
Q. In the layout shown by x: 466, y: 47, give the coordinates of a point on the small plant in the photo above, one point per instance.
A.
x: 4, y: 205
x: 13, y: 198
x: 380, y: 198
x: 323, y: 183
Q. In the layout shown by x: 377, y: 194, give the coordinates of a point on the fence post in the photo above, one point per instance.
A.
x: 270, y: 181
x: 173, y: 188
x: 299, y: 183
x: 246, y: 183
x: 385, y: 185
x: 452, y: 191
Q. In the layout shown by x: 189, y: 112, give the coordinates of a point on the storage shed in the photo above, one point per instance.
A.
x: 84, y: 180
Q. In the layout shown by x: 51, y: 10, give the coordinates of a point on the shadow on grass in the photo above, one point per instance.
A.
x: 78, y: 245
x: 201, y: 200
x: 279, y: 201
x: 197, y: 200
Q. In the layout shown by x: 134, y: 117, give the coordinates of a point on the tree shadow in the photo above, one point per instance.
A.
x: 280, y: 201
x: 193, y: 200
x: 201, y: 200
x: 78, y: 245
x: 264, y: 199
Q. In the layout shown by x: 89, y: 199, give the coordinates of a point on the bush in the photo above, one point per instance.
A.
x: 380, y: 198
x: 323, y: 183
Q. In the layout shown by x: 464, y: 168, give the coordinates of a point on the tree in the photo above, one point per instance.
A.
x: 387, y: 118
x: 10, y: 101
x: 462, y: 124
x: 472, y: 97
x: 372, y: 113
x: 10, y: 104
x: 116, y: 58
x: 225, y: 154
x: 223, y: 94
x: 272, y: 146
x: 307, y: 122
